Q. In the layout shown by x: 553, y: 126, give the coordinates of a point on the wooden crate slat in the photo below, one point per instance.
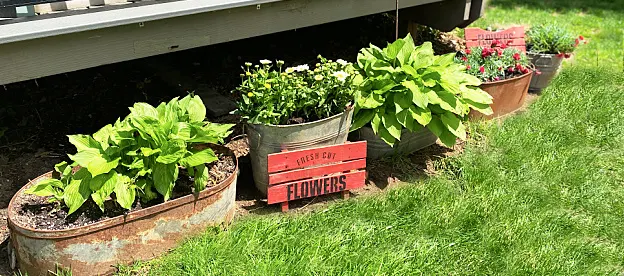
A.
x: 298, y: 174
x: 478, y: 37
x: 316, y: 187
x: 480, y: 34
x: 509, y: 42
x: 291, y: 160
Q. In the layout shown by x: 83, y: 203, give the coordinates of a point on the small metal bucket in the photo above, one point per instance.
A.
x: 267, y: 139
x: 549, y: 65
x: 410, y: 142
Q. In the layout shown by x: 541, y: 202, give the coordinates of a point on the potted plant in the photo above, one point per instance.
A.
x: 291, y: 108
x: 547, y: 46
x: 409, y: 97
x: 133, y: 190
x: 505, y: 72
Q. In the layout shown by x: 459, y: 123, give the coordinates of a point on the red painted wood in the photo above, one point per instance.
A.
x: 345, y: 194
x: 298, y: 159
x: 480, y: 34
x: 514, y: 37
x: 298, y: 174
x: 285, y: 206
x: 315, y: 187
x: 509, y: 42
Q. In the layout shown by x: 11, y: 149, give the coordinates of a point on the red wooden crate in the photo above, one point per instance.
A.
x: 313, y: 172
x: 513, y: 37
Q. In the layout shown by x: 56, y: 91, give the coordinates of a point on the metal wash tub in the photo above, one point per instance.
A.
x: 140, y: 235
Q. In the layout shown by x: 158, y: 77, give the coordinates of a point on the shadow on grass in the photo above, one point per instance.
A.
x: 562, y: 5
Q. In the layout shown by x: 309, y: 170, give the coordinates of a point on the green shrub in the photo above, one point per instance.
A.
x: 407, y: 86
x: 133, y: 157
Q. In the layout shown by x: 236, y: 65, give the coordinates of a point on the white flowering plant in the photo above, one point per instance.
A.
x: 271, y: 93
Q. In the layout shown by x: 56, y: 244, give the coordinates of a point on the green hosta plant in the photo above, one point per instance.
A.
x: 408, y: 87
x: 136, y: 156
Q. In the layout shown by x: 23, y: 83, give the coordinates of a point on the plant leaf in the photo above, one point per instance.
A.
x: 418, y: 97
x: 362, y: 118
x: 196, y: 109
x: 172, y: 151
x: 392, y: 125
x: 199, y: 158
x: 84, y: 142
x: 78, y: 191
x: 125, y: 194
x: 45, y: 187
x: 201, y: 178
x: 437, y: 127
x: 454, y: 125
x: 94, y: 162
x: 422, y: 116
x: 164, y: 176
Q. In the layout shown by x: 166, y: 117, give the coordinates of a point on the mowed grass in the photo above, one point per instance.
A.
x: 541, y: 193
x: 600, y: 21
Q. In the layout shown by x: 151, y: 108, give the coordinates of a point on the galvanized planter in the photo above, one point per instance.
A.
x: 267, y: 139
x: 508, y: 95
x: 140, y: 235
x: 410, y: 142
x: 549, y: 65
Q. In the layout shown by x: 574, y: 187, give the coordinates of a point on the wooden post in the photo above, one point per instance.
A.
x: 345, y: 194
x: 285, y: 206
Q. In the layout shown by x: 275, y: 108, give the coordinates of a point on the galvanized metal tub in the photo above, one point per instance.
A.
x: 548, y: 65
x: 410, y: 142
x: 267, y: 139
x: 507, y: 95
x: 140, y: 235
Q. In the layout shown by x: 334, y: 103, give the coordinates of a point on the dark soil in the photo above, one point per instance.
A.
x: 35, y: 212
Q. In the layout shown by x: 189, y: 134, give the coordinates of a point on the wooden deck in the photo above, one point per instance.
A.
x: 53, y: 43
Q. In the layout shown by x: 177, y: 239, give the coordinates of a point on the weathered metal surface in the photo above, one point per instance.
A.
x: 267, y: 139
x: 140, y: 235
x: 508, y: 95
x: 548, y: 65
x: 410, y: 142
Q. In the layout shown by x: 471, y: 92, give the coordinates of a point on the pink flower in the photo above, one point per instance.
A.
x: 581, y: 37
x: 468, y: 67
x: 482, y: 69
x: 516, y: 56
x: 464, y: 58
x: 496, y: 78
x: 503, y: 46
x: 468, y: 51
x: 538, y: 72
x: 567, y: 55
x: 560, y: 55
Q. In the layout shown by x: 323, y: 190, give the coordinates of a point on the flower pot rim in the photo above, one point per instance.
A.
x: 508, y: 80
x: 120, y: 219
x: 543, y: 54
x: 349, y: 108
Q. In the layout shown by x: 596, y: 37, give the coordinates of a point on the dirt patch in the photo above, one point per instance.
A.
x: 36, y: 212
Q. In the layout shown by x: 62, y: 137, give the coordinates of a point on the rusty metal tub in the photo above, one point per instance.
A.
x: 140, y: 235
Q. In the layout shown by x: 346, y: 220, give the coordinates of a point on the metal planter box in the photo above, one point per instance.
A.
x: 140, y: 235
x: 508, y: 95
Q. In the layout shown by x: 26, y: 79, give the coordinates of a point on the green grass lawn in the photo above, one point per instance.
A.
x: 543, y: 193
